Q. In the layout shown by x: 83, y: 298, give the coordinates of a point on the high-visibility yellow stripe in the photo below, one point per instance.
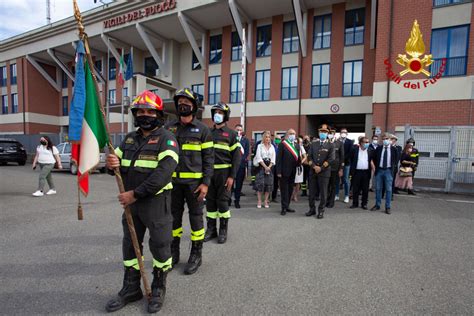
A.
x: 223, y: 166
x: 125, y: 162
x: 174, y: 175
x: 132, y: 263
x: 146, y: 164
x: 235, y: 146
x: 178, y: 232
x: 414, y: 155
x: 223, y: 147
x: 191, y: 147
x: 169, y: 186
x: 170, y: 153
x: 212, y: 215
x: 207, y: 145
x: 197, y: 235
x: 162, y: 265
x: 119, y: 152
x: 188, y: 175
x: 224, y: 215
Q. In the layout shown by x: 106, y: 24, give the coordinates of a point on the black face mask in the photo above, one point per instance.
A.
x: 148, y: 123
x: 43, y: 142
x: 185, y: 109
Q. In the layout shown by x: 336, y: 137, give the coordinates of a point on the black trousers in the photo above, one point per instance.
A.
x: 304, y: 185
x: 217, y: 198
x: 318, y: 188
x: 286, y: 189
x: 276, y: 182
x: 333, y: 182
x: 153, y: 213
x: 239, y: 181
x: 184, y: 193
x: 360, y: 182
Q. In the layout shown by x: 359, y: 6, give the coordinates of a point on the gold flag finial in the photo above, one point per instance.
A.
x: 78, y: 16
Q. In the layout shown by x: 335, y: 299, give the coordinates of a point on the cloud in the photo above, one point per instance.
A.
x: 20, y: 16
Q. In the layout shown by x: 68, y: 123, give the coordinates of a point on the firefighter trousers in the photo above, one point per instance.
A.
x: 217, y: 199
x: 184, y: 193
x: 153, y: 213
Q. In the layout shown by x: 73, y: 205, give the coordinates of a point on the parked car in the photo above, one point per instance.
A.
x: 12, y: 150
x: 65, y: 155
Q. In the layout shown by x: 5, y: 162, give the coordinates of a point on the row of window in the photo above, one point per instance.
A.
x: 14, y: 103
x: 3, y: 75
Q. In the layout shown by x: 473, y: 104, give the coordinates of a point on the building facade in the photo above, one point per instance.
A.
x: 308, y: 62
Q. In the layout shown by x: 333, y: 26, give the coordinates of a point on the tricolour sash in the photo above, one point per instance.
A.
x: 291, y: 148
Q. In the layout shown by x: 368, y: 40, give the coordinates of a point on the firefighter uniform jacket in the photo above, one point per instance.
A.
x: 196, y: 157
x: 147, y: 163
x: 321, y: 154
x: 227, y: 150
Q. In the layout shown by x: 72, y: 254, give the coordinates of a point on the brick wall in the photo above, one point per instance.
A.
x: 337, y: 50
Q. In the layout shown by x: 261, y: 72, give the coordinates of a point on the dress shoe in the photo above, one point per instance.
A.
x: 410, y: 192
x: 375, y: 208
x: 387, y: 210
x: 283, y: 212
x: 290, y: 210
x: 395, y: 191
x: 310, y: 213
x: 320, y: 215
x: 330, y: 205
x: 353, y: 206
x: 364, y: 207
x: 237, y: 204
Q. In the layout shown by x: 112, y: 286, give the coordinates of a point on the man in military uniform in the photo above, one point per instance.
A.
x: 192, y: 177
x: 320, y: 158
x: 226, y: 164
x: 147, y: 159
x: 337, y: 167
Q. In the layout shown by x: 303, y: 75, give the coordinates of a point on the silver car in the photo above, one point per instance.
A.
x: 65, y: 155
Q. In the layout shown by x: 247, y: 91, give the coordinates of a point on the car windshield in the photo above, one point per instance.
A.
x: 60, y: 148
x: 8, y: 145
x: 67, y: 149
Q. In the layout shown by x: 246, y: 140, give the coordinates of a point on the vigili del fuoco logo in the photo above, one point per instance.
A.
x: 415, y: 63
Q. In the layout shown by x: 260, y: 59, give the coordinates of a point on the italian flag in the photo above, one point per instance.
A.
x: 121, y: 79
x: 86, y: 153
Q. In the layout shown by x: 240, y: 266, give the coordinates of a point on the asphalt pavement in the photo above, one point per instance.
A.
x: 418, y: 260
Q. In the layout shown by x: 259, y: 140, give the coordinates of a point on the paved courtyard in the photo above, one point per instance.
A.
x: 419, y: 260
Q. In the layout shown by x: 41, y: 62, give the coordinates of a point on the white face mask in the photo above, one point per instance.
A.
x: 218, y: 118
x: 291, y: 138
x: 343, y: 135
x: 375, y: 142
x: 330, y: 136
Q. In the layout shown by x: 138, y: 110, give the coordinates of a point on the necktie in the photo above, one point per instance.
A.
x: 384, y: 161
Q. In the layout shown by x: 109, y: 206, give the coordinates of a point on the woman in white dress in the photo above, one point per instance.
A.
x: 266, y: 157
x: 299, y: 172
x: 46, y: 156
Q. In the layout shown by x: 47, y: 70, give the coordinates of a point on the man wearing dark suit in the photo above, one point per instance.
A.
x: 288, y: 158
x: 336, y: 167
x: 373, y: 146
x: 361, y: 166
x: 320, y: 158
x: 348, y: 145
x: 385, y: 160
x: 239, y: 180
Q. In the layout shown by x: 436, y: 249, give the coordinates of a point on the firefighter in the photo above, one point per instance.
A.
x: 226, y: 165
x: 192, y: 177
x: 147, y: 159
x: 337, y: 167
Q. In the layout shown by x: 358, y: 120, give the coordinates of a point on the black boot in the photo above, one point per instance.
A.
x: 158, y: 290
x: 320, y: 214
x: 175, y: 250
x: 130, y: 291
x: 411, y: 192
x: 211, y: 231
x: 223, y: 230
x: 237, y: 204
x: 195, y: 258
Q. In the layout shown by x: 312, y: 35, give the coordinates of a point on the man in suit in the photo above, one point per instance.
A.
x: 239, y: 180
x: 373, y: 146
x: 336, y: 167
x: 361, y: 166
x: 320, y: 158
x: 348, y: 145
x: 385, y: 160
x: 288, y: 158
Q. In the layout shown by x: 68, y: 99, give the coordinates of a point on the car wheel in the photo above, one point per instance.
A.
x: 22, y: 163
x: 73, y: 169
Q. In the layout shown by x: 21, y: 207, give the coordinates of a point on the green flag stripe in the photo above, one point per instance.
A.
x: 92, y: 113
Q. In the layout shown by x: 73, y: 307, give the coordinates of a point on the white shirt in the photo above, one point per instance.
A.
x: 363, y: 160
x: 263, y: 152
x: 45, y: 155
x: 388, y: 150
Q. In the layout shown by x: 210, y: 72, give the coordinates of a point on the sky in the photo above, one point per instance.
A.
x: 19, y: 16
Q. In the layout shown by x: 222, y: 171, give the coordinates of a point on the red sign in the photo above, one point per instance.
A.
x: 335, y: 108
x: 139, y: 14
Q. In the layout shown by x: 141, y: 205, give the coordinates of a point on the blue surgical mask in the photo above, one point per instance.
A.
x: 323, y: 136
x: 291, y: 138
x: 218, y: 118
x: 366, y: 145
x: 386, y: 142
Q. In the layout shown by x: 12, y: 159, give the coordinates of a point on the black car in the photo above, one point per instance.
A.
x: 12, y: 150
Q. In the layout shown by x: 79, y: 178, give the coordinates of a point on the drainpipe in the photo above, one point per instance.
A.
x: 300, y: 77
x: 23, y: 65
x: 387, y: 102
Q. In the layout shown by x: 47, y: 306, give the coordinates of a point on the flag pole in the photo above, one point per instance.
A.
x: 118, y: 177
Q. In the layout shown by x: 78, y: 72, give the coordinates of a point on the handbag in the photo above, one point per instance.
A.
x: 405, y: 172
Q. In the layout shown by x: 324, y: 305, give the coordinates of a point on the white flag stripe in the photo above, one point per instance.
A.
x: 90, y: 155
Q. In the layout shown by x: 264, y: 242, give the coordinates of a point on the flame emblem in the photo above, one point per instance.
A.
x: 415, y: 47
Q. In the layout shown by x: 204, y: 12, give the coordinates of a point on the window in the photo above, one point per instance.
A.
x: 214, y: 89
x: 352, y: 85
x: 262, y: 85
x: 112, y: 68
x: 355, y: 20
x: 63, y: 80
x: 289, y: 83
x: 196, y: 65
x: 4, y: 104
x: 264, y: 41
x: 3, y: 76
x: 98, y: 65
x: 450, y: 43
x: 215, y: 51
x: 290, y: 37
x: 150, y: 67
x: 440, y: 3
x: 14, y: 102
x: 236, y: 47
x: 112, y: 96
x: 322, y: 32
x: 13, y: 73
x: 199, y: 89
x: 65, y: 106
x: 125, y: 92
x: 235, y: 88
x: 320, y: 81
